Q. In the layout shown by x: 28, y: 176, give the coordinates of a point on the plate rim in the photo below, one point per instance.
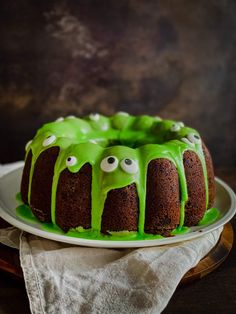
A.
x: 119, y: 243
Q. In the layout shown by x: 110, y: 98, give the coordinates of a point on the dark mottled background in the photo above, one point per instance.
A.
x: 171, y: 58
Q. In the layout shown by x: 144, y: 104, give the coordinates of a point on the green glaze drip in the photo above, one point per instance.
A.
x: 24, y: 212
x: 142, y: 138
x: 180, y: 230
x: 203, y: 162
x: 210, y: 216
x: 19, y: 198
x: 30, y: 174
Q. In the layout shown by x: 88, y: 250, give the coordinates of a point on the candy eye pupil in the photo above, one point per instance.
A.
x: 71, y: 161
x: 129, y: 165
x: 128, y: 162
x: 111, y: 160
x: 49, y: 140
x: 109, y: 164
x: 197, y: 137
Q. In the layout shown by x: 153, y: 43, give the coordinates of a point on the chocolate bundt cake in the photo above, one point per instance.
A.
x: 118, y: 176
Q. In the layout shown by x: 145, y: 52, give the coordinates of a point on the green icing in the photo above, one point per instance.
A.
x: 141, y: 138
x: 180, y: 230
x: 18, y: 198
x: 210, y: 216
x: 25, y: 213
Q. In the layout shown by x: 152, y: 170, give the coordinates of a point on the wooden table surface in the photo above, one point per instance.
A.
x: 215, y: 293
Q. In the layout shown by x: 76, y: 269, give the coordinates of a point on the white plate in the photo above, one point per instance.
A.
x: 10, y: 185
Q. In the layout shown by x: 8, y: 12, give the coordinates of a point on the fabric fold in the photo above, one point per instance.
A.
x: 64, y: 279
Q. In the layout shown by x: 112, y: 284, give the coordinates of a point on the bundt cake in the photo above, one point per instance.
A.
x: 118, y: 177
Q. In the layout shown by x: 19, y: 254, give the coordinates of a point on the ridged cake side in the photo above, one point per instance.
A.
x: 210, y: 176
x: 26, y: 178
x: 162, y: 197
x: 196, y: 204
x: 121, y: 210
x: 41, y: 186
x: 73, y: 200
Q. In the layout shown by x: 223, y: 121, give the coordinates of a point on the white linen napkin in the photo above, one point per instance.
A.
x: 62, y: 278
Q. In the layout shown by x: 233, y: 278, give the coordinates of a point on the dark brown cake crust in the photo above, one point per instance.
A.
x: 162, y: 200
x: 121, y: 210
x: 73, y: 200
x: 41, y: 187
x: 25, y: 178
x: 196, y: 204
x: 210, y: 176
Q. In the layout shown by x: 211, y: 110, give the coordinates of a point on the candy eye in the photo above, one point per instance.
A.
x: 94, y: 116
x: 175, y: 127
x: 122, y: 113
x: 187, y: 141
x: 71, y: 161
x: 28, y: 144
x: 191, y: 139
x: 129, y: 165
x: 60, y: 119
x: 49, y: 140
x: 92, y: 141
x: 104, y: 127
x: 194, y: 138
x: 109, y: 164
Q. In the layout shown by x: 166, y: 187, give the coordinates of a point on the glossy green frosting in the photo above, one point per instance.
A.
x: 140, y: 138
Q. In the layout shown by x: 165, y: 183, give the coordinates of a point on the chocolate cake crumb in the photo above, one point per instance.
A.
x: 210, y: 176
x: 73, y: 200
x: 162, y: 197
x: 121, y: 210
x: 25, y: 178
x: 196, y: 204
x: 41, y: 187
